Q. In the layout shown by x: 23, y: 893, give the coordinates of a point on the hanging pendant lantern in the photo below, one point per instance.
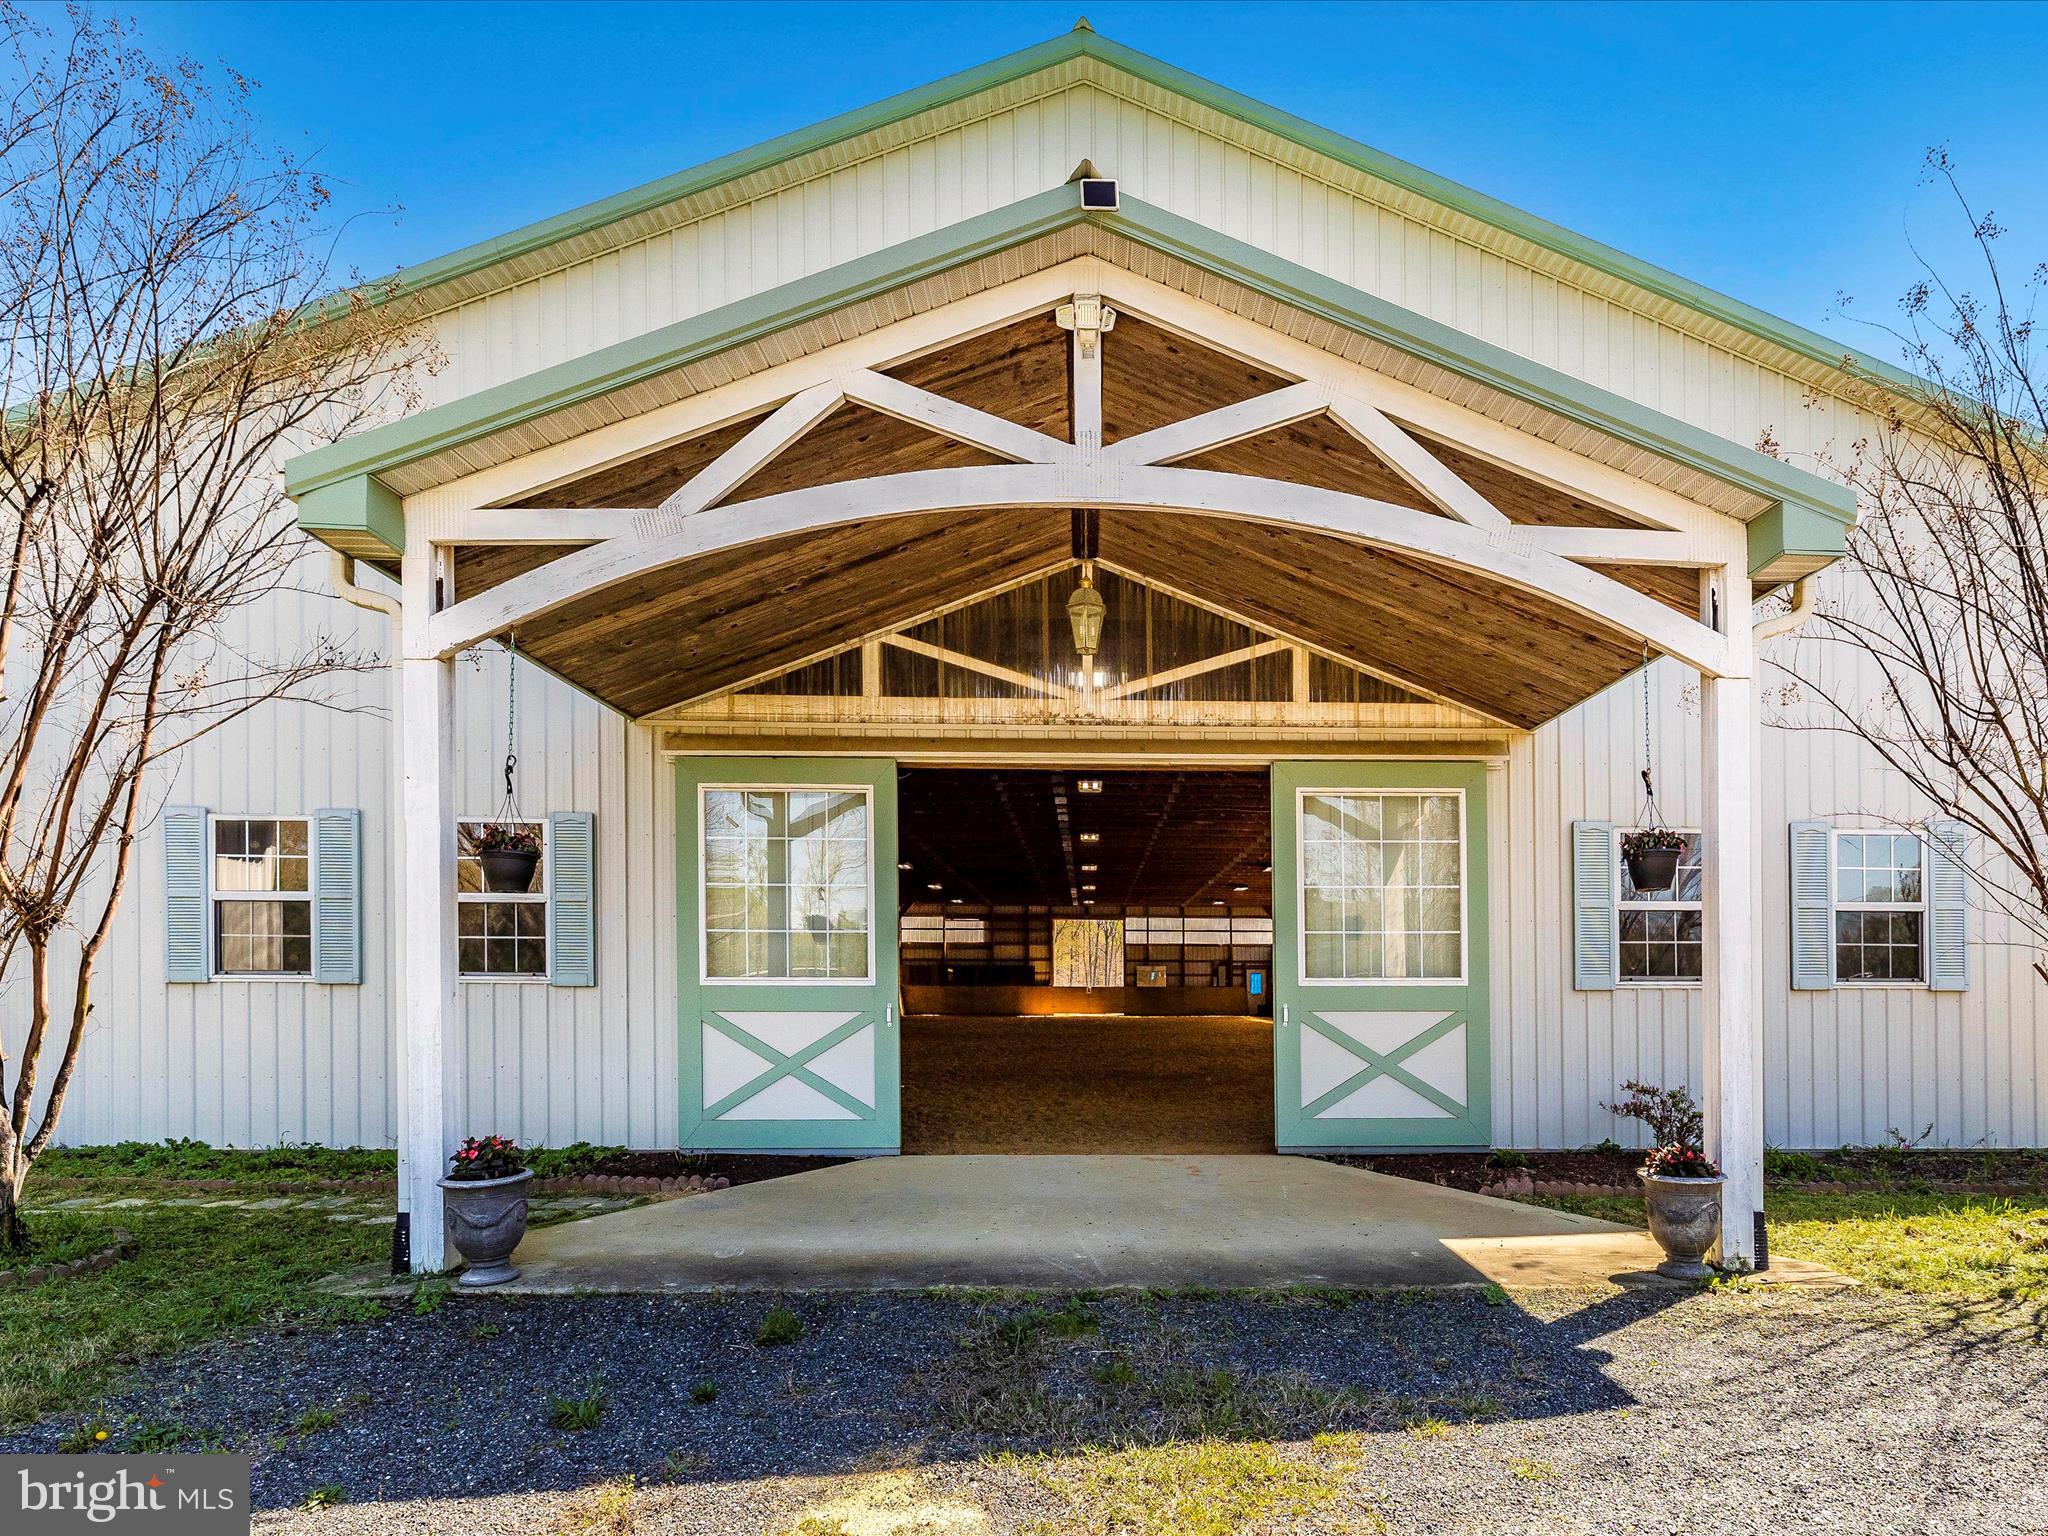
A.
x: 1085, y: 611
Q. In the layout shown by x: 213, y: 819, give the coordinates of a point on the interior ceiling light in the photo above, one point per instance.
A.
x: 934, y: 886
x: 1091, y: 837
x: 1089, y: 869
x: 903, y: 863
x: 1088, y: 786
x: 1087, y: 887
x: 1218, y: 902
x: 1240, y: 887
x: 958, y: 900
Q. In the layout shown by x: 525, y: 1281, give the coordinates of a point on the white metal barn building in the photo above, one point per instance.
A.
x: 783, y: 475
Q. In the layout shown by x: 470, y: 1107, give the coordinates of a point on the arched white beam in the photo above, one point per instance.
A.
x: 1512, y: 556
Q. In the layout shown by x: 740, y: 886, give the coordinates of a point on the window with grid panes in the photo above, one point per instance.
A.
x: 500, y: 934
x: 261, y: 873
x: 1660, y: 931
x: 787, y: 887
x: 1382, y: 886
x: 1880, y: 906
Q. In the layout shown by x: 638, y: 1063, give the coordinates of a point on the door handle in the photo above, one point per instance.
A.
x: 889, y: 1016
x: 1284, y: 1021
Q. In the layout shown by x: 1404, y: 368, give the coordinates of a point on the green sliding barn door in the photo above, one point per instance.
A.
x: 786, y: 956
x: 1379, y: 955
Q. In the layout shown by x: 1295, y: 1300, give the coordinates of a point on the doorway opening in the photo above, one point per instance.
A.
x: 1086, y: 960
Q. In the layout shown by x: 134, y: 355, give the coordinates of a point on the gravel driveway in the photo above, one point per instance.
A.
x: 1633, y: 1411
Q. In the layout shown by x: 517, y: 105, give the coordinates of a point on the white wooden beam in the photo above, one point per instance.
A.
x: 1510, y: 557
x: 1414, y: 463
x: 1732, y: 985
x: 431, y: 1054
x: 1222, y: 427
x: 1181, y: 674
x: 1086, y: 372
x: 788, y: 422
x: 949, y: 418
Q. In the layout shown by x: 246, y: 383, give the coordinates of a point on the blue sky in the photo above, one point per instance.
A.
x: 1771, y: 151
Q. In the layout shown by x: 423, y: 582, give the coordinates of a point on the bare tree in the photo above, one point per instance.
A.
x: 162, y: 275
x: 1945, y: 628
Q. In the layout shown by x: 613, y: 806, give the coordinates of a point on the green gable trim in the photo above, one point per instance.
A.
x: 1505, y: 217
x: 354, y: 513
x: 336, y: 481
x: 1796, y: 539
x: 1480, y: 361
x: 673, y: 346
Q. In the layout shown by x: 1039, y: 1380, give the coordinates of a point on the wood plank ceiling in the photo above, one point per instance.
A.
x: 1012, y: 835
x: 710, y: 623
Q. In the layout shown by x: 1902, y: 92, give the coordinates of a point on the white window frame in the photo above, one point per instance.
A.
x: 1621, y: 905
x: 215, y: 896
x: 1464, y: 976
x: 704, y: 976
x: 537, y: 898
x: 1837, y: 906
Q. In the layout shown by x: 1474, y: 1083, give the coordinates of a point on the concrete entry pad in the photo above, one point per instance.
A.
x: 1079, y: 1222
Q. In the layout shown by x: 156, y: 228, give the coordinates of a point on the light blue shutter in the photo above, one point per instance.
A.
x: 338, y: 897
x: 1948, y: 905
x: 1813, y: 908
x: 572, y: 899
x: 185, y: 893
x: 1595, y: 962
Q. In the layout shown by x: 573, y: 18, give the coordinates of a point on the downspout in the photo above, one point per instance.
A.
x: 1805, y: 598
x: 344, y: 579
x: 362, y: 597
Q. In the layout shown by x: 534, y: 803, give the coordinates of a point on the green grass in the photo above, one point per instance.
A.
x: 778, y: 1325
x: 579, y: 1413
x: 1959, y: 1248
x: 196, y: 1160
x: 57, y: 1237
x: 198, y: 1273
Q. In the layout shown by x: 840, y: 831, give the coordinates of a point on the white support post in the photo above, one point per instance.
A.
x: 1732, y: 1094
x: 430, y: 1047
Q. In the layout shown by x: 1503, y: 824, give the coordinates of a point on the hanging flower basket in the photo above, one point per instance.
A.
x: 1652, y: 858
x: 509, y: 855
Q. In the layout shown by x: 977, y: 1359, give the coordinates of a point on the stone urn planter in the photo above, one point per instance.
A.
x: 1683, y: 1190
x: 484, y: 1200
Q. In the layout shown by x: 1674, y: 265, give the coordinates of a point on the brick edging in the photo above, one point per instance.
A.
x: 1524, y: 1185
x: 123, y: 1246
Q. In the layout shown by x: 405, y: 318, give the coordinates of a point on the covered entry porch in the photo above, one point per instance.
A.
x: 772, y: 539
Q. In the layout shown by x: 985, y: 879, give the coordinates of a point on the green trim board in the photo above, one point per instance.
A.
x: 623, y: 364
x: 768, y: 1044
x: 1085, y: 43
x: 1363, y: 1043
